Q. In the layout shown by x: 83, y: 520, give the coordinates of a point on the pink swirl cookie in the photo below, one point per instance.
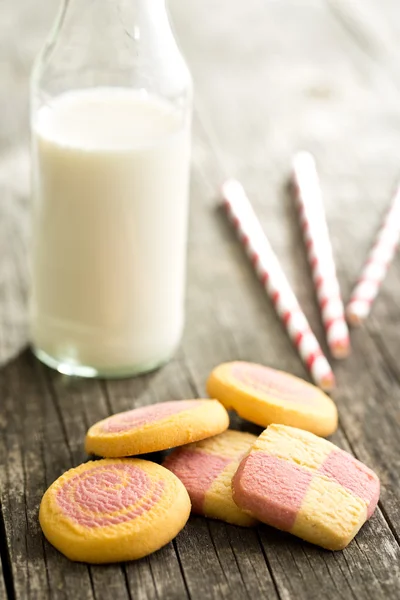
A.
x: 206, y: 469
x: 113, y: 510
x: 264, y: 396
x: 156, y: 427
x: 298, y: 482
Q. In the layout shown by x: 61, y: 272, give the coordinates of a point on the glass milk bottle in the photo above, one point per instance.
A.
x: 111, y: 113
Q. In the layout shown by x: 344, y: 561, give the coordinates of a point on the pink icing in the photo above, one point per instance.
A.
x: 197, y: 470
x: 274, y: 383
x: 271, y: 488
x: 108, y: 495
x: 353, y: 475
x: 138, y: 417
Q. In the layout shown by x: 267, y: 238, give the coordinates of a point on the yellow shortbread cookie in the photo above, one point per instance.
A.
x: 206, y: 469
x: 298, y: 482
x: 156, y: 427
x: 113, y: 510
x: 264, y: 396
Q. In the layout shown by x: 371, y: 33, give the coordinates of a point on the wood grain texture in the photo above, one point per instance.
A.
x: 270, y: 78
x: 3, y: 593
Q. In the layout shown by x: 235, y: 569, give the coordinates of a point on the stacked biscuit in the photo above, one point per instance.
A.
x: 121, y: 508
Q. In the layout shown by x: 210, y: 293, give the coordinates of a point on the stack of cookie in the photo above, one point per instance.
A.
x: 119, y: 508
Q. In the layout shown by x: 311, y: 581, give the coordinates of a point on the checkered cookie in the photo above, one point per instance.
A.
x: 300, y: 483
x: 206, y: 469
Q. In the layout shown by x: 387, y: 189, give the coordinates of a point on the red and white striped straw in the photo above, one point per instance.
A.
x: 376, y: 266
x: 319, y: 251
x: 267, y: 267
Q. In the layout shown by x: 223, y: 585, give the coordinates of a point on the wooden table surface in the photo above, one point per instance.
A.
x: 271, y: 76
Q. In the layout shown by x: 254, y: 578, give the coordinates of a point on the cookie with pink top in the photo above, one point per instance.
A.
x: 206, y: 469
x: 303, y: 484
x: 113, y: 510
x: 156, y: 427
x: 264, y: 396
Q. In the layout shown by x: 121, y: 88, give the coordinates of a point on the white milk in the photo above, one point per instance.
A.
x: 111, y: 173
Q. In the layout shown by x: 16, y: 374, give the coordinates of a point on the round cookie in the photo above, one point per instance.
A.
x: 300, y: 483
x: 156, y: 427
x: 206, y: 469
x: 113, y: 510
x: 264, y: 396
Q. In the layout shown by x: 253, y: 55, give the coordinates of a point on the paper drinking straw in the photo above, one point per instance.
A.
x: 267, y: 267
x: 319, y: 251
x: 376, y: 265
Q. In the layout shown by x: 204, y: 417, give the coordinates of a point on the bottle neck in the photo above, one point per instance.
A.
x: 101, y: 17
x: 126, y: 43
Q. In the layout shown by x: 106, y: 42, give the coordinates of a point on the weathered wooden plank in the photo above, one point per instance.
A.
x: 35, y: 454
x: 373, y: 28
x: 3, y: 595
x: 377, y: 438
x: 236, y: 285
x: 4, y: 560
x: 13, y: 269
x: 222, y: 561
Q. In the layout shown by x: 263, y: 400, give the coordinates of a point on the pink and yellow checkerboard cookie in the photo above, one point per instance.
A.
x: 206, y: 469
x: 264, y: 396
x: 113, y: 510
x: 303, y: 484
x: 156, y: 427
